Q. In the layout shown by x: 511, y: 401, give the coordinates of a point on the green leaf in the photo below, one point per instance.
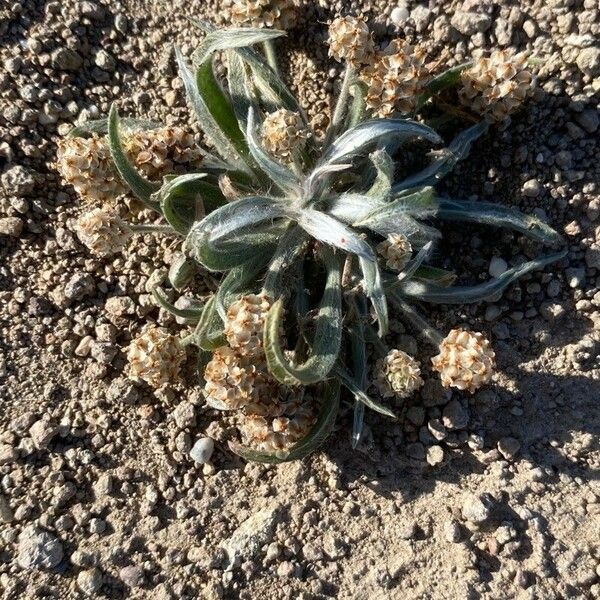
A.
x: 437, y: 294
x: 440, y: 277
x: 185, y: 199
x: 209, y: 331
x: 181, y: 271
x: 191, y: 315
x: 385, y: 167
x: 325, y: 346
x: 315, y: 438
x: 220, y: 108
x: 374, y: 291
x: 288, y: 250
x: 206, y: 121
x: 140, y: 186
x: 348, y: 381
x: 488, y: 213
x: 100, y: 126
x: 240, y: 88
x: 233, y: 37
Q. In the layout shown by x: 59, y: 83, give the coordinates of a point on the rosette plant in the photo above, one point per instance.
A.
x: 317, y: 240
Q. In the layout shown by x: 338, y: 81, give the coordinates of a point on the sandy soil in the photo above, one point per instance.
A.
x: 99, y: 496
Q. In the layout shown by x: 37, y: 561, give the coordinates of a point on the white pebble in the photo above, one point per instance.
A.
x: 497, y: 266
x: 202, y: 450
x: 399, y: 15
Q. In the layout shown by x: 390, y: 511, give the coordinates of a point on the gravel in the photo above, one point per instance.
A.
x: 38, y: 549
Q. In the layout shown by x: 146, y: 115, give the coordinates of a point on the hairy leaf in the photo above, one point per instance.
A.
x: 487, y: 213
x: 140, y: 186
x: 374, y: 291
x: 327, y: 340
x: 437, y: 294
x: 181, y: 271
x: 209, y: 330
x: 205, y: 119
x: 446, y: 159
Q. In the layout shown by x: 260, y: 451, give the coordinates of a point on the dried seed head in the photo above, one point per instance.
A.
x: 159, y: 152
x: 245, y: 322
x: 466, y: 360
x: 229, y: 380
x: 102, y: 231
x: 155, y: 356
x: 269, y: 433
x: 395, y: 78
x: 283, y: 133
x: 85, y: 163
x: 276, y: 14
x: 350, y: 40
x: 497, y: 85
x: 397, y: 374
x: 396, y: 250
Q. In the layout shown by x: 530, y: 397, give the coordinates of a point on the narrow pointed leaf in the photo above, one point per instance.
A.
x: 352, y: 208
x: 476, y: 293
x: 376, y: 132
x: 233, y: 37
x: 288, y: 250
x: 342, y: 374
x: 384, y: 166
x: 448, y: 78
x: 325, y: 346
x: 181, y: 271
x: 209, y: 330
x: 374, y: 291
x: 330, y: 231
x: 205, y: 119
x: 488, y: 213
x: 139, y: 185
x: 445, y: 160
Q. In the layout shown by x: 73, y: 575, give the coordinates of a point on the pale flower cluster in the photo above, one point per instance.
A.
x: 350, y: 40
x: 466, y: 360
x: 86, y: 164
x: 155, y: 357
x: 396, y: 250
x: 497, y: 85
x: 102, y: 231
x: 397, y: 374
x: 283, y: 133
x: 272, y: 417
x: 276, y: 14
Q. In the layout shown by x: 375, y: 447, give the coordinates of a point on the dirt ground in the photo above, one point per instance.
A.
x: 99, y: 496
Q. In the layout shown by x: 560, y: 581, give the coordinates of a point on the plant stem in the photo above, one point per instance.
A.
x: 418, y: 322
x: 271, y: 56
x: 340, y: 106
x: 166, y: 229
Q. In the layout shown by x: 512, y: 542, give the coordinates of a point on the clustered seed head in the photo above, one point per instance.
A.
x: 229, y: 380
x: 155, y: 357
x: 277, y: 433
x: 277, y: 14
x: 245, y: 322
x: 496, y: 85
x: 159, y: 152
x: 102, y: 231
x: 397, y: 374
x: 85, y: 163
x: 396, y: 250
x: 466, y: 361
x: 350, y: 40
x: 395, y: 78
x: 283, y: 133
